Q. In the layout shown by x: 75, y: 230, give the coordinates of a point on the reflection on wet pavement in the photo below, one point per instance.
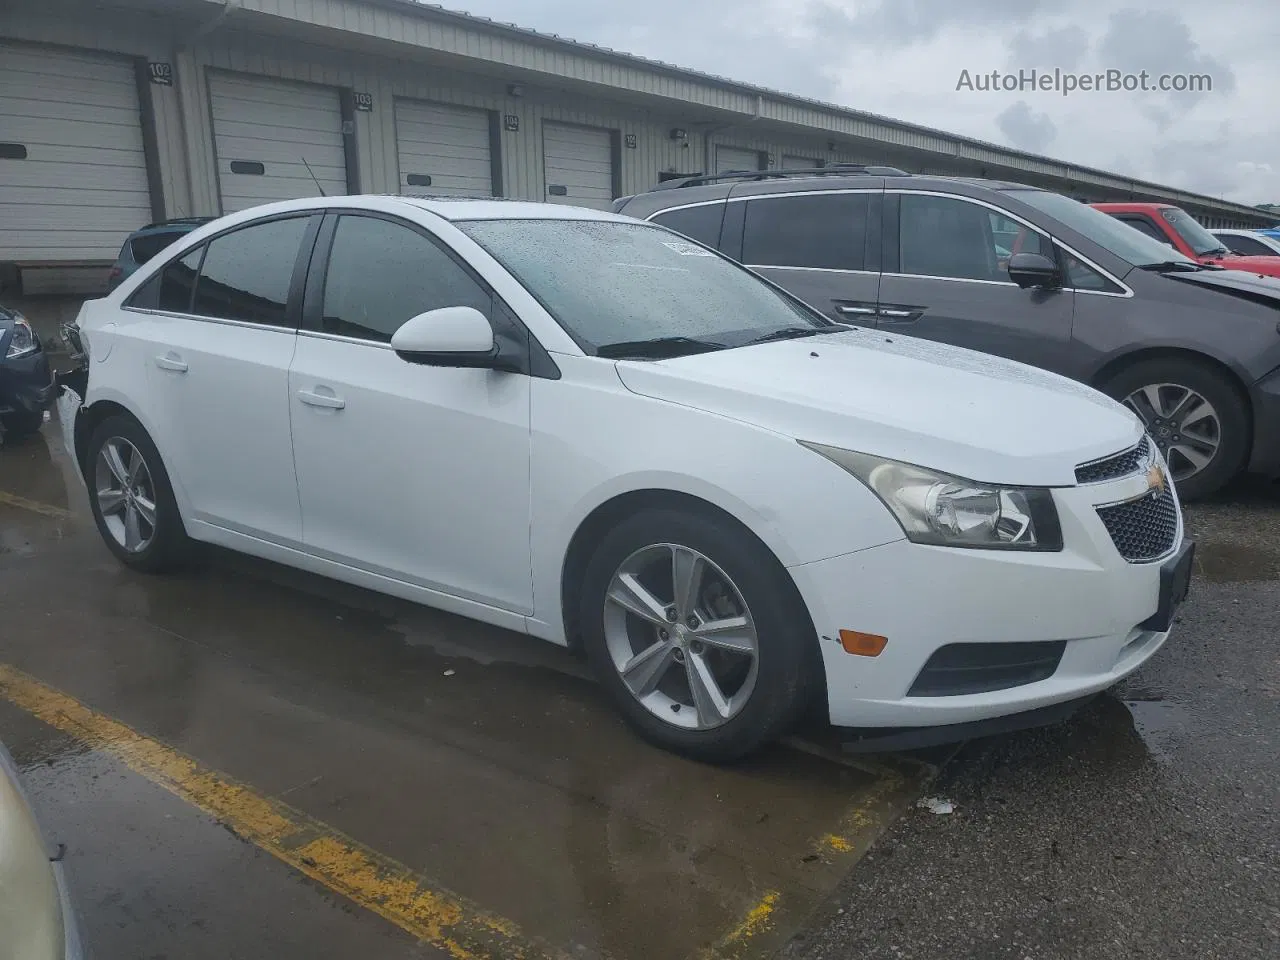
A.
x: 486, y: 760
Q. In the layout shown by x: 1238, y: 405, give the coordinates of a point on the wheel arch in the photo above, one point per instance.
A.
x: 88, y: 419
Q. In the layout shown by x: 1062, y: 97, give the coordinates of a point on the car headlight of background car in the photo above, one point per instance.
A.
x: 23, y: 341
x: 939, y: 509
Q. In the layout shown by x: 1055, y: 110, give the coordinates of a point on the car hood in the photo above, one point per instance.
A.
x: 962, y: 412
x: 1269, y: 266
x: 1237, y: 282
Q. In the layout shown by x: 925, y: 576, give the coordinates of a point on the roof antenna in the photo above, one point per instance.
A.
x: 313, y: 176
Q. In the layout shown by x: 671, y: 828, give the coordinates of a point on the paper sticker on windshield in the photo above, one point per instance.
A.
x: 687, y: 249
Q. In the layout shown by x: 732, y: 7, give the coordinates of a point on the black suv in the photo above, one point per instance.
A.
x: 1020, y: 272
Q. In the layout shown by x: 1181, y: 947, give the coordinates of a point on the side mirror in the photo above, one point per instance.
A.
x: 1034, y: 270
x: 447, y: 337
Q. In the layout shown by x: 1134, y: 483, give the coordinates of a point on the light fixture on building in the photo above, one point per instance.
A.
x: 515, y: 90
x: 679, y: 133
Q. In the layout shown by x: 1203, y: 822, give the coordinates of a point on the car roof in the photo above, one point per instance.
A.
x: 1131, y: 206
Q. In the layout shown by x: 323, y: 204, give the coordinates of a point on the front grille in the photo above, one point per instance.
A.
x: 1113, y: 467
x: 962, y: 668
x: 1143, y: 529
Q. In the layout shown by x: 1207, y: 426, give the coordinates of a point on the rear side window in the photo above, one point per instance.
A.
x: 170, y: 289
x: 148, y: 245
x: 818, y: 231
x: 701, y: 223
x: 382, y: 273
x: 247, y: 273
x: 1143, y: 225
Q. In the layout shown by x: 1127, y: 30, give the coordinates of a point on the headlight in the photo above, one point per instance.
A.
x: 23, y: 341
x: 947, y: 511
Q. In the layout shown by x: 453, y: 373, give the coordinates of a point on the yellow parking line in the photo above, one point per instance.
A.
x: 758, y: 919
x: 34, y: 506
x: 376, y: 882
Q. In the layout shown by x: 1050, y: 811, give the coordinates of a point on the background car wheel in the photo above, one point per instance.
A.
x: 698, y: 634
x: 1195, y: 415
x: 132, y: 500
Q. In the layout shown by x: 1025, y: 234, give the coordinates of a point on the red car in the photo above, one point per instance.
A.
x: 1176, y: 228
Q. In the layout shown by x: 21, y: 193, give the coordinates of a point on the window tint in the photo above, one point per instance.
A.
x: 1010, y: 237
x: 170, y: 289
x: 1081, y: 276
x: 945, y: 237
x: 246, y: 273
x: 1143, y: 225
x: 824, y: 230
x: 696, y: 223
x: 1247, y: 246
x: 382, y: 274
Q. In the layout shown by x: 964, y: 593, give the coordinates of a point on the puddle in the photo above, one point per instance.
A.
x: 1161, y: 724
x: 1236, y: 563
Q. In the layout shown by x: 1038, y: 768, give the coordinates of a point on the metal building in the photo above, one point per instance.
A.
x: 120, y: 112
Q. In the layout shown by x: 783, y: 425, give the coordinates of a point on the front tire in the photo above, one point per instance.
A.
x: 132, y: 499
x: 1196, y: 416
x: 697, y: 633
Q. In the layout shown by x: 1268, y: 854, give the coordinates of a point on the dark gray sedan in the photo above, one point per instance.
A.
x: 1022, y: 273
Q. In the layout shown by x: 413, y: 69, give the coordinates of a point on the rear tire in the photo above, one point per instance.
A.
x: 132, y: 499
x: 742, y: 599
x: 1193, y: 412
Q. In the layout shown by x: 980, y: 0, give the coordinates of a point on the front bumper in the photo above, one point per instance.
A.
x: 26, y: 384
x: 1086, y: 598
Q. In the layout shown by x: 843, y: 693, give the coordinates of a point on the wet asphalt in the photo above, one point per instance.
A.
x: 491, y: 766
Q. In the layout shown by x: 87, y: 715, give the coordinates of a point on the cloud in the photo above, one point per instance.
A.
x: 1160, y: 42
x: 1063, y: 48
x: 908, y: 22
x: 1027, y: 129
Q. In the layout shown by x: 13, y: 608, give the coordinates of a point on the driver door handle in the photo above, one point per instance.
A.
x: 329, y: 401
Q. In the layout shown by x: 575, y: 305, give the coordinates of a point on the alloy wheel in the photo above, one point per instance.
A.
x: 126, y: 495
x: 681, y: 636
x: 1183, y: 424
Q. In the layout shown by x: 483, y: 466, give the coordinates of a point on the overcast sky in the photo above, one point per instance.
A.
x: 903, y: 58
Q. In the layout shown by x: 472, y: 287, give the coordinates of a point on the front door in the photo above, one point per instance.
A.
x: 413, y: 472
x: 217, y: 362
x: 946, y: 278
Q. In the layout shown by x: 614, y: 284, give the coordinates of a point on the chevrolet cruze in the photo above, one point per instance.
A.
x: 597, y: 432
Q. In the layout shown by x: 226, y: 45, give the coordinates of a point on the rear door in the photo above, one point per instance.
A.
x: 946, y: 278
x: 217, y: 354
x: 821, y: 246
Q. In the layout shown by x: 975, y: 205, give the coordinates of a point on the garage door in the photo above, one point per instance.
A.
x: 443, y: 150
x: 735, y: 158
x: 791, y: 161
x: 267, y: 132
x: 579, y: 165
x: 73, y: 175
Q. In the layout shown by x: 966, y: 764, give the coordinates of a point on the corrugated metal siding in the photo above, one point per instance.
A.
x: 82, y: 186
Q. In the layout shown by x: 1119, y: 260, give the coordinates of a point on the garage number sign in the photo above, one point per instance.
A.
x: 363, y: 101
x: 161, y: 73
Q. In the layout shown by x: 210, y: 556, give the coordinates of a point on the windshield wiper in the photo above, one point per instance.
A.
x: 658, y: 348
x: 794, y: 333
x: 1171, y: 266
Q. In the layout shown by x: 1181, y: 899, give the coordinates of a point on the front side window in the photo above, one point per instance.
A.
x: 383, y: 273
x: 820, y: 230
x: 1147, y: 228
x: 610, y: 283
x: 701, y: 223
x: 247, y: 273
x: 947, y: 237
x: 1010, y: 237
x: 1247, y: 246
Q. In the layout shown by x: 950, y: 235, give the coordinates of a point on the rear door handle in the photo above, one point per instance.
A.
x: 171, y: 361
x: 900, y: 314
x: 329, y: 401
x: 855, y: 309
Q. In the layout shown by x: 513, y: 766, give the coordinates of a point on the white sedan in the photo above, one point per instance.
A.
x: 596, y: 432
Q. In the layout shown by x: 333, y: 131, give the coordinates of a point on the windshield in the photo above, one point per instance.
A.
x: 610, y: 283
x: 1107, y: 232
x: 1198, y: 238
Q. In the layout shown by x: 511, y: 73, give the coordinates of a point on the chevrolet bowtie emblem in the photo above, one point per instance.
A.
x: 1156, y: 481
